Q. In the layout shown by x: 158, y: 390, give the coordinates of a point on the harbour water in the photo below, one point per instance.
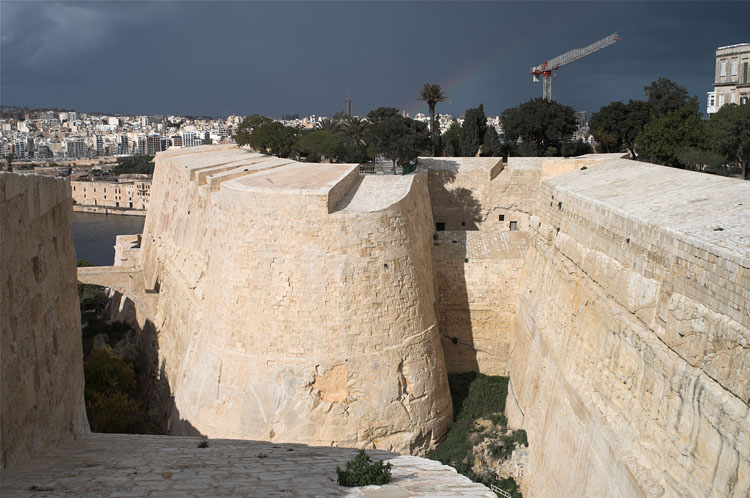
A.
x: 94, y: 235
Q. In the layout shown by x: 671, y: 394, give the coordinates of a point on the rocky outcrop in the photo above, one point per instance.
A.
x: 40, y: 324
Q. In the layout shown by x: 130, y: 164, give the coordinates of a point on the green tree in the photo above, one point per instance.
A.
x: 730, y: 132
x: 491, y: 145
x: 576, y: 148
x: 701, y: 159
x: 246, y: 127
x: 317, y: 145
x: 354, y: 132
x: 617, y: 125
x: 473, y: 131
x: 275, y: 138
x: 432, y: 94
x: 399, y: 139
x: 330, y: 125
x: 134, y: 164
x: 542, y: 125
x: 452, y: 140
x: 106, y: 371
x: 665, y: 136
x: 665, y: 96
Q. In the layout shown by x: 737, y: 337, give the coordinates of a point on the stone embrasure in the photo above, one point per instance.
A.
x: 116, y: 465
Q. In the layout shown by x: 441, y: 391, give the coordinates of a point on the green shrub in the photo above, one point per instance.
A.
x: 105, y: 371
x: 503, y: 449
x: 361, y: 471
x: 116, y: 412
x: 474, y: 396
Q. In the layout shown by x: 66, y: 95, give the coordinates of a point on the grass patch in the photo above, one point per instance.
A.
x: 475, y: 396
x: 478, y: 396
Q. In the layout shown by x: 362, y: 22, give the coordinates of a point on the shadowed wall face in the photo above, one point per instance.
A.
x: 42, y: 365
x: 476, y: 279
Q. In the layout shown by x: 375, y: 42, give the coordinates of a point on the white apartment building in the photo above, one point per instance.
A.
x: 732, y: 77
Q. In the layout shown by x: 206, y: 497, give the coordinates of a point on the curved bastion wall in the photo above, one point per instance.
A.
x: 295, y: 301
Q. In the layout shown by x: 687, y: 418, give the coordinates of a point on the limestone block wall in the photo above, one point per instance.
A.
x: 40, y: 324
x: 630, y: 366
x: 482, y: 193
x: 476, y: 279
x: 292, y: 308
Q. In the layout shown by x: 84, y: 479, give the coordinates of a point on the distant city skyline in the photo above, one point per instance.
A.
x: 239, y: 58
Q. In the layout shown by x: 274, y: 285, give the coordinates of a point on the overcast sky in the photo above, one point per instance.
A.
x: 219, y: 58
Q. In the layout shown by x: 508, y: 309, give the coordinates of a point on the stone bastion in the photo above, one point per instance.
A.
x: 306, y: 303
x: 292, y: 302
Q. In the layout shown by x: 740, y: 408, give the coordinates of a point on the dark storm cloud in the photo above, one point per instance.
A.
x: 273, y: 58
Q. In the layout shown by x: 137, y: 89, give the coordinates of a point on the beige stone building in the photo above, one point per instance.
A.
x: 732, y: 77
x: 127, y: 193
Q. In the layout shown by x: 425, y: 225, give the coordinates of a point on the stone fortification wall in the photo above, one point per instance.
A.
x: 476, y: 277
x: 295, y: 301
x: 42, y: 366
x: 631, y: 359
x: 482, y: 193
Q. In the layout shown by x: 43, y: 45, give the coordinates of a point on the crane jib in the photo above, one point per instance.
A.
x: 545, y: 69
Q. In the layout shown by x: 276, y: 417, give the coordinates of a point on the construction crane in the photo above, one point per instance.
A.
x: 545, y: 69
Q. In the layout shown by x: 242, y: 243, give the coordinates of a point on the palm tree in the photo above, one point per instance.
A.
x: 328, y: 124
x: 432, y: 94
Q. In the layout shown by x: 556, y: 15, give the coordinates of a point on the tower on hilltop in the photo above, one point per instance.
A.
x: 348, y: 108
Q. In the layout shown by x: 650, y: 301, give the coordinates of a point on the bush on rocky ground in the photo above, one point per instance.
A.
x: 362, y: 471
x: 479, y: 438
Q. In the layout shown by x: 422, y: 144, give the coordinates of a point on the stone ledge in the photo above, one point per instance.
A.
x: 110, y: 465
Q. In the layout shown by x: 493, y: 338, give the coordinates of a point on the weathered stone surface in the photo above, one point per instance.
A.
x: 115, y: 465
x: 630, y: 363
x: 476, y: 275
x: 40, y: 324
x: 303, y: 303
x: 295, y: 302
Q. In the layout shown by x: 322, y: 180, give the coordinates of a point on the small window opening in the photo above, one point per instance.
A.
x: 501, y: 217
x: 559, y: 205
x: 439, y: 226
x: 513, y: 226
x: 463, y: 224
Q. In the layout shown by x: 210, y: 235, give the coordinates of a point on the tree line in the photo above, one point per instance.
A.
x: 667, y: 128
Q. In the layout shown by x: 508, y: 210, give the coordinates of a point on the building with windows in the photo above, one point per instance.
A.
x: 99, y: 145
x: 124, y: 144
x: 153, y: 144
x: 189, y: 139
x: 128, y: 192
x: 77, y: 148
x: 732, y: 77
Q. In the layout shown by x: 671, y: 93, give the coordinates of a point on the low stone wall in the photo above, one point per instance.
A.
x: 80, y: 208
x: 630, y: 366
x: 42, y: 366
